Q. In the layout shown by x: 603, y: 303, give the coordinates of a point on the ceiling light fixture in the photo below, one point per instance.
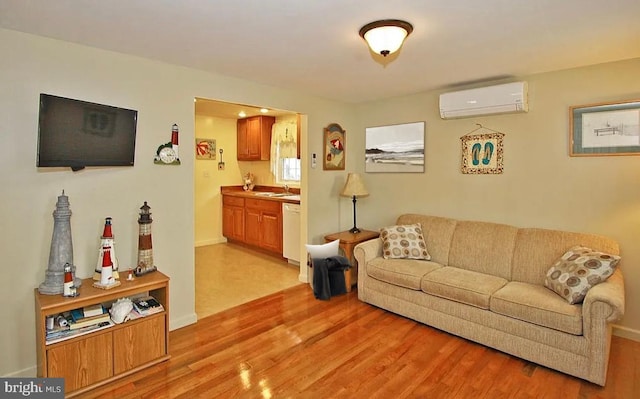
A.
x: 264, y: 110
x: 386, y: 36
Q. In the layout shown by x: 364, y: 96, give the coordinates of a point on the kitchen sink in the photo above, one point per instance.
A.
x: 270, y: 194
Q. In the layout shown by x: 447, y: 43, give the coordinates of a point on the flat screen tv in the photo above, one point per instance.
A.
x: 75, y: 134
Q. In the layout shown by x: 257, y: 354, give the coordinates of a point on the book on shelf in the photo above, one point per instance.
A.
x: 78, y: 314
x: 62, y: 335
x: 93, y: 310
x: 147, y: 305
x: 79, y: 320
x: 87, y: 321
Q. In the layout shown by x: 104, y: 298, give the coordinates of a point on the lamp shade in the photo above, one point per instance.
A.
x: 386, y: 36
x: 354, y: 187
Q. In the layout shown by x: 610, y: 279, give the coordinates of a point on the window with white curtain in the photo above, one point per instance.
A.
x: 285, y: 164
x: 290, y: 171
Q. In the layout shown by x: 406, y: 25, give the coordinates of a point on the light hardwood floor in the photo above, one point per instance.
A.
x: 290, y: 345
x: 228, y: 275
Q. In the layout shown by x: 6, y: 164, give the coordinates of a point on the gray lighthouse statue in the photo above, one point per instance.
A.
x: 61, y: 252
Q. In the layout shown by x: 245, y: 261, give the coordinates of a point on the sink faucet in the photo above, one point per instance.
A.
x: 286, y: 188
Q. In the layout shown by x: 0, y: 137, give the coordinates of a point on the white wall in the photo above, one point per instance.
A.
x: 163, y: 94
x: 541, y: 186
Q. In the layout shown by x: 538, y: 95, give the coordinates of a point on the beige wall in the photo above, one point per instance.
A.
x: 541, y: 186
x: 208, y: 178
x: 163, y: 95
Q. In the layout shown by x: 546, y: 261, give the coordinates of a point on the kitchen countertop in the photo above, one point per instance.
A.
x: 268, y: 193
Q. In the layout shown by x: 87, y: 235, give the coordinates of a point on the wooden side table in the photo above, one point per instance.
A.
x: 348, y: 241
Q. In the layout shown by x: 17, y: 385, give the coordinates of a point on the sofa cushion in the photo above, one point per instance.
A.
x: 402, y: 272
x: 483, y: 247
x: 578, y: 270
x: 404, y: 242
x: 437, y: 234
x: 536, y: 304
x: 537, y: 249
x: 461, y: 285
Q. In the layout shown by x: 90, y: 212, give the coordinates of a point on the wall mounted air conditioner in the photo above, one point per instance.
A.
x: 499, y: 99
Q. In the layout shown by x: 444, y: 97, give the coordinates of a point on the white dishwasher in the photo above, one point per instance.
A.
x: 291, y: 232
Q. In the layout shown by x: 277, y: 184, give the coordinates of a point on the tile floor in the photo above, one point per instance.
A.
x: 228, y: 275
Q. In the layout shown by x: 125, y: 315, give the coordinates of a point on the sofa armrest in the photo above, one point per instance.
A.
x: 367, y: 250
x: 609, y: 293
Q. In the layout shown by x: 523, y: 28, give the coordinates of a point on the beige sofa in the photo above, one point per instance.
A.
x: 485, y: 283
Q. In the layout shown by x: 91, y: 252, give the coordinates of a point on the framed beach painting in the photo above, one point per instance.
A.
x: 605, y: 129
x: 395, y: 148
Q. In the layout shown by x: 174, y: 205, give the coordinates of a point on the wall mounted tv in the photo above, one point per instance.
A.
x: 75, y: 134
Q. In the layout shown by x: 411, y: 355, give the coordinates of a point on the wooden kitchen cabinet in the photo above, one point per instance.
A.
x: 233, y: 218
x: 102, y: 356
x: 263, y: 224
x: 253, y: 221
x: 254, y: 138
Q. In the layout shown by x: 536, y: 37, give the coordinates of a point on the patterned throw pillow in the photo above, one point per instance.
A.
x: 404, y: 242
x: 578, y: 270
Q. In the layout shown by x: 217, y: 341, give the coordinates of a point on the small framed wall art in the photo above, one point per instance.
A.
x: 605, y: 129
x: 334, y: 147
x: 482, y: 153
x: 205, y: 149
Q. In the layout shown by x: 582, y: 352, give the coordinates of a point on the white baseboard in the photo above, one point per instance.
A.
x: 210, y: 242
x: 304, y: 274
x: 184, y: 321
x: 626, y: 332
x: 30, y: 372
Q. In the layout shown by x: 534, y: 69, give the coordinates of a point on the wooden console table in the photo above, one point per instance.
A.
x: 101, y: 356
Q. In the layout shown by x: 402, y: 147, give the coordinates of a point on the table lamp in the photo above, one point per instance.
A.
x: 354, y: 187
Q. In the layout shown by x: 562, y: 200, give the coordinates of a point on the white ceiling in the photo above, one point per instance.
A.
x: 313, y: 45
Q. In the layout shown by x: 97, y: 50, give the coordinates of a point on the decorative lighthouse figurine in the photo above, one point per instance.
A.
x: 106, y: 273
x: 107, y: 240
x: 145, y: 247
x: 174, y: 140
x: 61, y: 252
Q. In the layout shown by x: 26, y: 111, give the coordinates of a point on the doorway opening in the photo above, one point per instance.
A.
x: 229, y: 274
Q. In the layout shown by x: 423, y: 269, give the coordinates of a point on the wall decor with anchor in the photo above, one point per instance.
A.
x: 482, y: 153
